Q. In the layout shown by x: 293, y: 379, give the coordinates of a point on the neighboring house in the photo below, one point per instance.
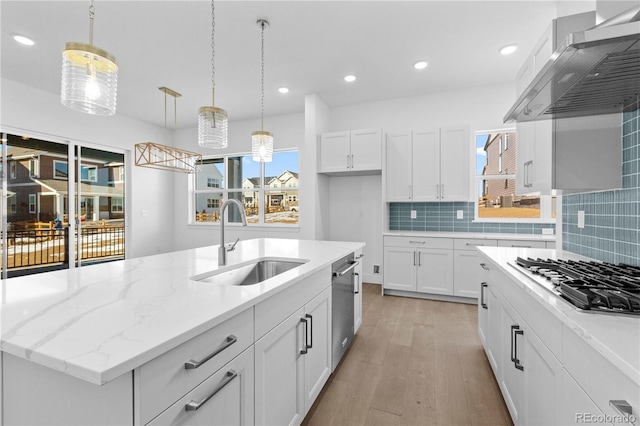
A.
x: 39, y: 179
x: 501, y: 160
x: 209, y: 178
x: 283, y: 190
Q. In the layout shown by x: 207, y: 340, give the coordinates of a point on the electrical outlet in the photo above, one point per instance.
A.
x: 459, y: 214
x: 547, y: 231
x: 414, y: 214
x: 580, y: 218
x: 376, y: 269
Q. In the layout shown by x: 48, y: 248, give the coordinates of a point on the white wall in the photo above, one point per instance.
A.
x: 288, y: 132
x: 40, y: 114
x: 354, y: 200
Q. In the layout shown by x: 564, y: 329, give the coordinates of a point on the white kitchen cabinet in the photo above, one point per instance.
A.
x: 357, y: 151
x: 293, y: 362
x: 415, y: 264
x: 574, y: 404
x: 429, y: 165
x: 357, y: 299
x: 223, y: 399
x: 467, y: 273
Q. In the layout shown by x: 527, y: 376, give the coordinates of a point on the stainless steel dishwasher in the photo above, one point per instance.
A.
x: 342, y: 296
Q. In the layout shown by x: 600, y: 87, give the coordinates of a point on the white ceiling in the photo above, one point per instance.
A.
x: 310, y: 46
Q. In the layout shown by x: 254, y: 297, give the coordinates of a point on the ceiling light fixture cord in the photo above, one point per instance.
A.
x: 213, y: 54
x: 164, y: 134
x: 262, y: 78
x: 92, y: 13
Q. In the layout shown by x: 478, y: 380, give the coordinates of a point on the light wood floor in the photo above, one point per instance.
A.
x: 413, y: 362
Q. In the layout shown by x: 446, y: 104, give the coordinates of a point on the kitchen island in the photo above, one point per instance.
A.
x: 555, y: 363
x: 98, y: 327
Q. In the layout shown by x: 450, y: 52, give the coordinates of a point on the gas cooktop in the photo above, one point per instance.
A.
x: 589, y: 285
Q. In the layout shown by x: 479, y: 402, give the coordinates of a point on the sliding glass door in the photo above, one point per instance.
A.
x: 56, y: 212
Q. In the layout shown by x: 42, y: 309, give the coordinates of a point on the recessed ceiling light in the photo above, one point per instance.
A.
x: 508, y: 49
x: 420, y: 65
x: 23, y: 39
x: 349, y: 78
x: 283, y: 89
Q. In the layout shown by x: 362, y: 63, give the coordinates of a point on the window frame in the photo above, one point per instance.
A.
x: 34, y: 167
x: 257, y: 193
x: 115, y: 204
x: 13, y: 169
x: 33, y: 203
x: 546, y: 201
x: 55, y: 170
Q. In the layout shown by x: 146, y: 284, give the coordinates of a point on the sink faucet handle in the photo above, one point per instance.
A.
x: 233, y: 246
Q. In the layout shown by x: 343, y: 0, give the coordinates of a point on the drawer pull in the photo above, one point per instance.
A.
x: 517, y: 246
x: 622, y: 406
x: 475, y: 244
x: 484, y: 266
x: 482, y: 302
x: 417, y: 242
x: 360, y: 256
x: 515, y: 330
x: 193, y: 364
x: 193, y: 406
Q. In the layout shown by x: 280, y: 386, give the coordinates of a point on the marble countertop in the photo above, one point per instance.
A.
x: 615, y: 337
x: 98, y: 322
x: 483, y: 236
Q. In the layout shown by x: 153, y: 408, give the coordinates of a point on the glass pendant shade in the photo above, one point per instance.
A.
x: 89, y: 79
x: 262, y: 146
x: 213, y: 127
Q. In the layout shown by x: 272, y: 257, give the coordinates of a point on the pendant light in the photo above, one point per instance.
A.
x: 261, y: 140
x: 89, y: 76
x: 164, y: 157
x: 213, y: 123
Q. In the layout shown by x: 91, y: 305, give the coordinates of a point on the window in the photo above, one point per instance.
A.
x: 121, y: 173
x: 89, y: 173
x: 496, y: 169
x: 117, y: 205
x: 269, y: 192
x: 12, y: 170
x: 60, y: 170
x: 34, y: 167
x: 13, y: 205
x: 32, y: 203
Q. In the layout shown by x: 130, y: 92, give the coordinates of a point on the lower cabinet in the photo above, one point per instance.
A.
x: 225, y: 398
x: 293, y: 362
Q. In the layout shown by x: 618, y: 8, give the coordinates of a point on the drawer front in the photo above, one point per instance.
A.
x: 600, y: 379
x: 472, y: 243
x: 225, y: 398
x: 166, y: 378
x: 419, y: 242
x: 522, y: 243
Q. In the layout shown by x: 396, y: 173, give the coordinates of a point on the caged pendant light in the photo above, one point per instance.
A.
x: 261, y: 140
x: 213, y: 123
x: 89, y: 76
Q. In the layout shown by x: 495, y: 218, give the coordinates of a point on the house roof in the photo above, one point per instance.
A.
x: 17, y: 152
x: 60, y: 187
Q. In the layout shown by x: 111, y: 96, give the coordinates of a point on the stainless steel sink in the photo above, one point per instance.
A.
x: 250, y: 273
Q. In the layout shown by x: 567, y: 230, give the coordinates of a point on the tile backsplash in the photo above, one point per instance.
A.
x: 442, y: 217
x: 611, y: 218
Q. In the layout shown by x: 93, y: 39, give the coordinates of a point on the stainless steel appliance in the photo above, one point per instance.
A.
x: 588, y: 285
x: 342, y: 292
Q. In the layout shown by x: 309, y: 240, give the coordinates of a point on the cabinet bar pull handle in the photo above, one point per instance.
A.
x: 358, y: 286
x: 360, y: 256
x: 193, y: 364
x: 482, y: 302
x: 414, y: 258
x: 621, y: 406
x: 475, y: 244
x: 228, y: 377
x: 306, y: 331
x: 345, y: 270
x: 419, y: 259
x: 485, y: 267
x: 310, y: 345
x: 352, y: 161
x: 515, y: 245
x: 515, y: 330
x: 417, y: 242
x: 347, y: 161
x: 442, y: 192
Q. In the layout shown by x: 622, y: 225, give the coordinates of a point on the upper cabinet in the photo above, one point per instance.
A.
x: 567, y: 154
x: 351, y: 152
x: 429, y: 165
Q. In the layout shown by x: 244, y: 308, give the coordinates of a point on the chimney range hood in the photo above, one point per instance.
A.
x: 592, y: 72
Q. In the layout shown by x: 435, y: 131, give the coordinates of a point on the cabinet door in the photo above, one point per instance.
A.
x: 435, y: 271
x: 493, y: 335
x: 400, y: 268
x: 512, y: 379
x: 398, y: 167
x: 366, y: 149
x: 279, y: 374
x: 526, y: 134
x: 573, y: 403
x: 525, y: 76
x: 335, y: 152
x: 466, y: 273
x: 317, y: 360
x: 357, y: 299
x: 543, y: 50
x: 542, y: 377
x: 542, y: 156
x: 454, y: 163
x: 426, y: 165
x: 225, y: 398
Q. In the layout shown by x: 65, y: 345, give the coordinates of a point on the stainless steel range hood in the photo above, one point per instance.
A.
x: 592, y: 72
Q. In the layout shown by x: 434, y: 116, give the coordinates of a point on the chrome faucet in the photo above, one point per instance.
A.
x: 222, y: 250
